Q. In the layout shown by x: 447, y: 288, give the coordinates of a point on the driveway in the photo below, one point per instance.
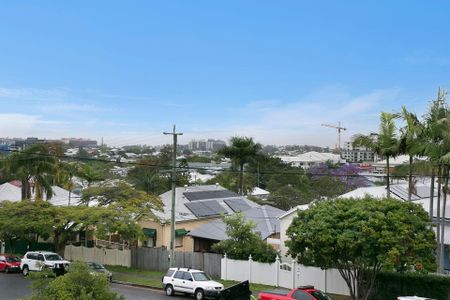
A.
x: 15, y: 286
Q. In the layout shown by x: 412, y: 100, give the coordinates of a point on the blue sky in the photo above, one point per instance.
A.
x: 274, y: 70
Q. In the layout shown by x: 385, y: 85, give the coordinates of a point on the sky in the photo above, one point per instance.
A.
x: 273, y: 70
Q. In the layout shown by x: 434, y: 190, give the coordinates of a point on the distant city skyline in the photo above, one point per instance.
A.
x: 129, y: 71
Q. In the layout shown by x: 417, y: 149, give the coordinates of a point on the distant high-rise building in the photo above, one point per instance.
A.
x: 78, y: 142
x: 206, y: 145
x: 358, y: 154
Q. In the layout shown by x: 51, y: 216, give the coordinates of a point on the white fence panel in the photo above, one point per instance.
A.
x: 264, y: 273
x: 286, y: 279
x: 284, y: 275
x: 310, y: 276
x: 335, y: 283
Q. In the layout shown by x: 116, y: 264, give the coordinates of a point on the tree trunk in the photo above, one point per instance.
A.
x: 438, y: 220
x: 388, y: 187
x: 241, y: 179
x: 432, y: 195
x: 410, y: 178
x: 24, y: 188
x: 444, y: 204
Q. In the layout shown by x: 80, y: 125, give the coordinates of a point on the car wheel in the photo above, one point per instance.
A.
x: 169, y: 290
x: 6, y: 270
x: 25, y: 271
x: 199, y: 294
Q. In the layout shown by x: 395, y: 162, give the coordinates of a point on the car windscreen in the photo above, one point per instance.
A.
x: 13, y: 259
x: 95, y: 266
x: 53, y: 257
x: 320, y: 296
x: 200, y: 276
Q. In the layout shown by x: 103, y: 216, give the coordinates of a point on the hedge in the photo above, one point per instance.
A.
x: 390, y: 285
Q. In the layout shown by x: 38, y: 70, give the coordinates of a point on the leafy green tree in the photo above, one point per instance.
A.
x: 147, y: 176
x: 287, y: 197
x: 243, y: 241
x: 230, y: 181
x: 362, y: 237
x: 78, y: 283
x: 386, y: 145
x: 241, y: 150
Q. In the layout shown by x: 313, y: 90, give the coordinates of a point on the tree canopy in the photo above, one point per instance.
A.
x: 362, y: 237
x: 243, y: 241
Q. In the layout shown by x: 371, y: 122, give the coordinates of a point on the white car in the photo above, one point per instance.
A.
x: 413, y: 298
x: 38, y: 260
x: 190, y: 281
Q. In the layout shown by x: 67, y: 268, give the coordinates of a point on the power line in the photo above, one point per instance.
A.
x: 168, y: 167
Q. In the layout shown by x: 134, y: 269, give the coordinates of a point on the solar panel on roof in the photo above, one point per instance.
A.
x: 203, y: 195
x: 237, y: 205
x: 205, y: 208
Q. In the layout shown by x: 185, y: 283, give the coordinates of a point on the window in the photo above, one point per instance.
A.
x: 169, y: 273
x: 40, y: 257
x: 187, y: 276
x: 200, y: 276
x: 32, y: 256
x: 301, y: 295
x: 179, y: 275
x: 320, y: 296
x: 53, y: 257
x: 2, y: 258
x: 179, y: 241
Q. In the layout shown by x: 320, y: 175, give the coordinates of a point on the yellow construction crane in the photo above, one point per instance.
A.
x: 339, y: 129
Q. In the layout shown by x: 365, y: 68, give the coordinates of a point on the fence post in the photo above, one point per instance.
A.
x: 226, y: 266
x: 250, y: 260
x: 294, y: 271
x: 277, y: 265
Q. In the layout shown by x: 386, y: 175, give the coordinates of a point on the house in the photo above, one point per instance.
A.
x: 285, y: 221
x: 265, y: 217
x: 12, y: 191
x: 194, y: 206
x: 309, y: 159
x: 260, y: 193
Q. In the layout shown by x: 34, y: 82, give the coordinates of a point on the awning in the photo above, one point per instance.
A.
x: 149, y: 232
x: 181, y: 232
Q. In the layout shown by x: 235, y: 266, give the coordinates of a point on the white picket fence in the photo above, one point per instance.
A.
x: 287, y: 275
x: 104, y: 256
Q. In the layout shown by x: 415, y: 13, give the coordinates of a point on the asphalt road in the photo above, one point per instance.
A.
x: 15, y: 286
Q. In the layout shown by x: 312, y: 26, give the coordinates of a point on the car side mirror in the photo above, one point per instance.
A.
x: 190, y: 279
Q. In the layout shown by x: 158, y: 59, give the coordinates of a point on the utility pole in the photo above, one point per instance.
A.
x: 174, y: 185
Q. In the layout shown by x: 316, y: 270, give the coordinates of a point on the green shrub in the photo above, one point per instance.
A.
x: 78, y: 284
x: 390, y: 285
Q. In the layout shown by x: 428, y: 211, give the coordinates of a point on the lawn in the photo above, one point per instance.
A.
x: 153, y: 279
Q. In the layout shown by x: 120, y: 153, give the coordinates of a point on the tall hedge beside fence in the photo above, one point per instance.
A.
x: 390, y: 285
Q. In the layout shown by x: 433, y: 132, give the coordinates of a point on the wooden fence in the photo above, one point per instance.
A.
x: 158, y: 259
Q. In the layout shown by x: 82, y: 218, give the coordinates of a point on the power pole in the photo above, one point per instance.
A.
x: 174, y: 185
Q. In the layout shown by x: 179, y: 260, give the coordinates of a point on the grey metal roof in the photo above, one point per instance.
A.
x: 212, y: 194
x: 266, y: 219
x: 205, y: 208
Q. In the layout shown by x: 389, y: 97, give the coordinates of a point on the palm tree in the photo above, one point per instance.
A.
x: 437, y: 149
x: 410, y: 141
x: 241, y: 150
x: 35, y: 168
x: 386, y: 145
